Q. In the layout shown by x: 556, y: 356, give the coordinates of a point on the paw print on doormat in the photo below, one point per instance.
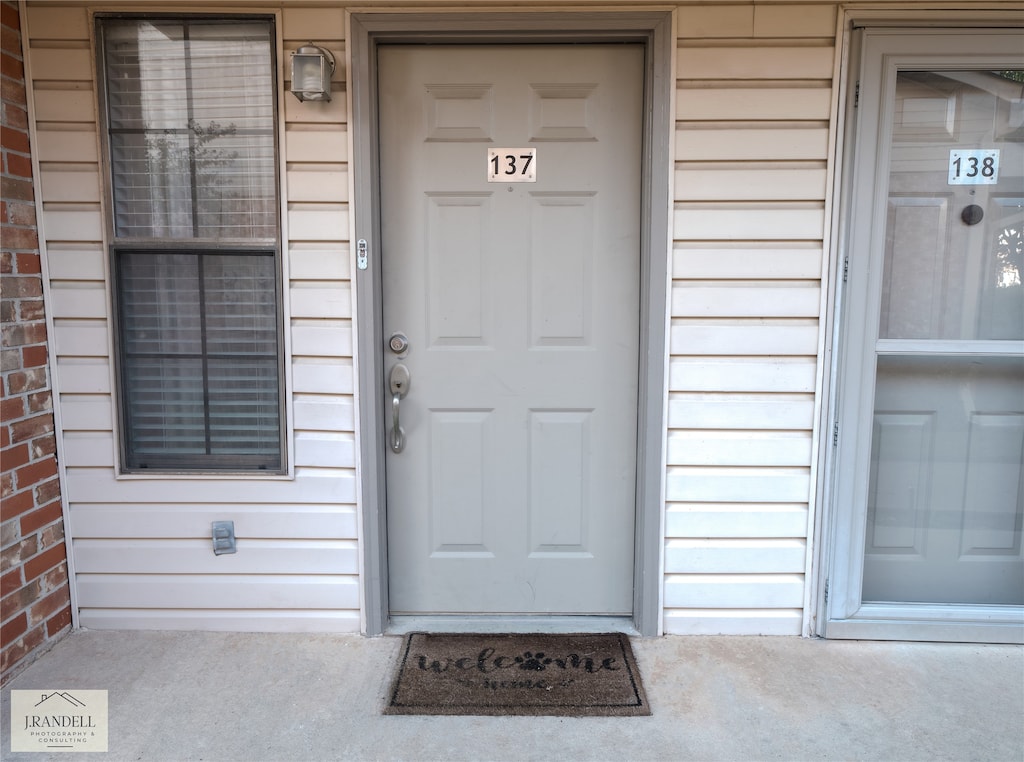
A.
x: 531, y: 661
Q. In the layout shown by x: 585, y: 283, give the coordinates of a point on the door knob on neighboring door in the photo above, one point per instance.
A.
x: 398, y: 381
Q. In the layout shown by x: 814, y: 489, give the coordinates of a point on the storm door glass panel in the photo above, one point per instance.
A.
x: 190, y: 108
x: 946, y: 501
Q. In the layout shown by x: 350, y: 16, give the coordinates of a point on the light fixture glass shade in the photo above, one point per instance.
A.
x: 312, y: 67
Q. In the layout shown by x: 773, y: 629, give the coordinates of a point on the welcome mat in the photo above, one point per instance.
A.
x: 565, y: 675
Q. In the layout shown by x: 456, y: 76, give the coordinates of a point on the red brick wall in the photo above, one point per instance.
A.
x: 35, y: 600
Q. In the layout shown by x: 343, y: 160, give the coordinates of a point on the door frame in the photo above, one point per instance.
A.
x: 652, y: 29
x: 875, y: 47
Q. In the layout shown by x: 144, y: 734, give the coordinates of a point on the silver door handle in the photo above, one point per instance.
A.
x: 398, y: 381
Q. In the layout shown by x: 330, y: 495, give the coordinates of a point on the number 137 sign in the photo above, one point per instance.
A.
x: 511, y: 165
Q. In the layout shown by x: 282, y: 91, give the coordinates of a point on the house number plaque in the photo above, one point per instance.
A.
x: 511, y: 165
x: 973, y: 167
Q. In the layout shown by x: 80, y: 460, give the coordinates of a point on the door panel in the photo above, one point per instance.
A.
x: 945, y: 507
x: 514, y: 492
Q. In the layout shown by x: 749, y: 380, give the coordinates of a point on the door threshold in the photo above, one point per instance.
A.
x: 402, y: 625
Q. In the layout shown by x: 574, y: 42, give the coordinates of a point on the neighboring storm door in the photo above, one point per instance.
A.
x: 930, y: 431
x: 510, y: 219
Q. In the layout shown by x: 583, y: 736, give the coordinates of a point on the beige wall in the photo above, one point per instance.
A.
x: 753, y: 103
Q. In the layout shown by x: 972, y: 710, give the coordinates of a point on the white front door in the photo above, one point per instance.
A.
x: 932, y: 407
x: 510, y: 199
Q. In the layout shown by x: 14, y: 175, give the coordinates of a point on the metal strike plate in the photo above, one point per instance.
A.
x: 362, y: 253
x: 224, y: 538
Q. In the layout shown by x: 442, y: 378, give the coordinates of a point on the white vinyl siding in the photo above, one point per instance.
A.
x: 753, y: 99
x: 141, y: 545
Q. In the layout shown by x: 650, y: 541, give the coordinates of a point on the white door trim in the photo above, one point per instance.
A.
x: 653, y: 29
x: 840, y: 612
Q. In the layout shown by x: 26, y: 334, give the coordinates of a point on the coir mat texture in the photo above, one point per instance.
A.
x: 543, y: 674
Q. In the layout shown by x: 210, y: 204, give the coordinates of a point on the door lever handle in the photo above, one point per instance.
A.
x: 398, y: 381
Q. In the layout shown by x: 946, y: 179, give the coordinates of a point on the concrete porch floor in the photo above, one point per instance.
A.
x: 254, y: 697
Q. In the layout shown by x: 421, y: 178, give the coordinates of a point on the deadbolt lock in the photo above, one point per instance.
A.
x: 398, y: 343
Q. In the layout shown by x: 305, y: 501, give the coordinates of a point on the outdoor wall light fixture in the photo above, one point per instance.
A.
x: 312, y: 67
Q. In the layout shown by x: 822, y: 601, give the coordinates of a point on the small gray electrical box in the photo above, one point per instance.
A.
x: 224, y: 538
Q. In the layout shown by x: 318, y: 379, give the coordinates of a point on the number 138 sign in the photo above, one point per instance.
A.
x: 973, y: 167
x: 511, y: 165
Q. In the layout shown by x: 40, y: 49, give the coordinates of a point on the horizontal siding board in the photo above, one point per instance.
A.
x: 703, y: 224
x: 701, y: 374
x: 326, y: 301
x: 769, y: 556
x: 740, y: 622
x: 332, y: 112
x: 751, y: 143
x: 73, y: 225
x: 316, y: 261
x: 83, y: 375
x: 57, y: 23
x: 213, y: 591
x: 327, y: 224
x: 65, y: 186
x: 192, y: 520
x: 316, y: 145
x: 324, y: 413
x: 748, y: 103
x: 88, y: 301
x: 708, y: 21
x: 738, y: 448
x: 324, y: 340
x: 795, y: 20
x: 703, y: 300
x: 82, y: 338
x: 332, y: 376
x: 735, y: 520
x: 310, y: 485
x: 732, y: 485
x: 696, y: 182
x: 67, y: 145
x: 86, y: 412
x: 76, y: 261
x: 325, y: 450
x: 71, y: 64
x: 732, y: 591
x: 317, y: 186
x: 134, y: 556
x: 754, y: 340
x: 256, y: 620
x: 748, y: 414
x: 313, y: 23
x: 88, y: 448
x: 731, y: 261
x: 754, y: 62
x: 75, y: 106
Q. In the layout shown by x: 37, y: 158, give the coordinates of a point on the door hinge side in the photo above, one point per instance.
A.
x: 846, y: 269
x: 856, y: 94
x: 826, y: 592
x: 835, y: 434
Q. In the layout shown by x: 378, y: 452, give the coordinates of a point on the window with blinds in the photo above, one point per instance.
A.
x: 190, y: 119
